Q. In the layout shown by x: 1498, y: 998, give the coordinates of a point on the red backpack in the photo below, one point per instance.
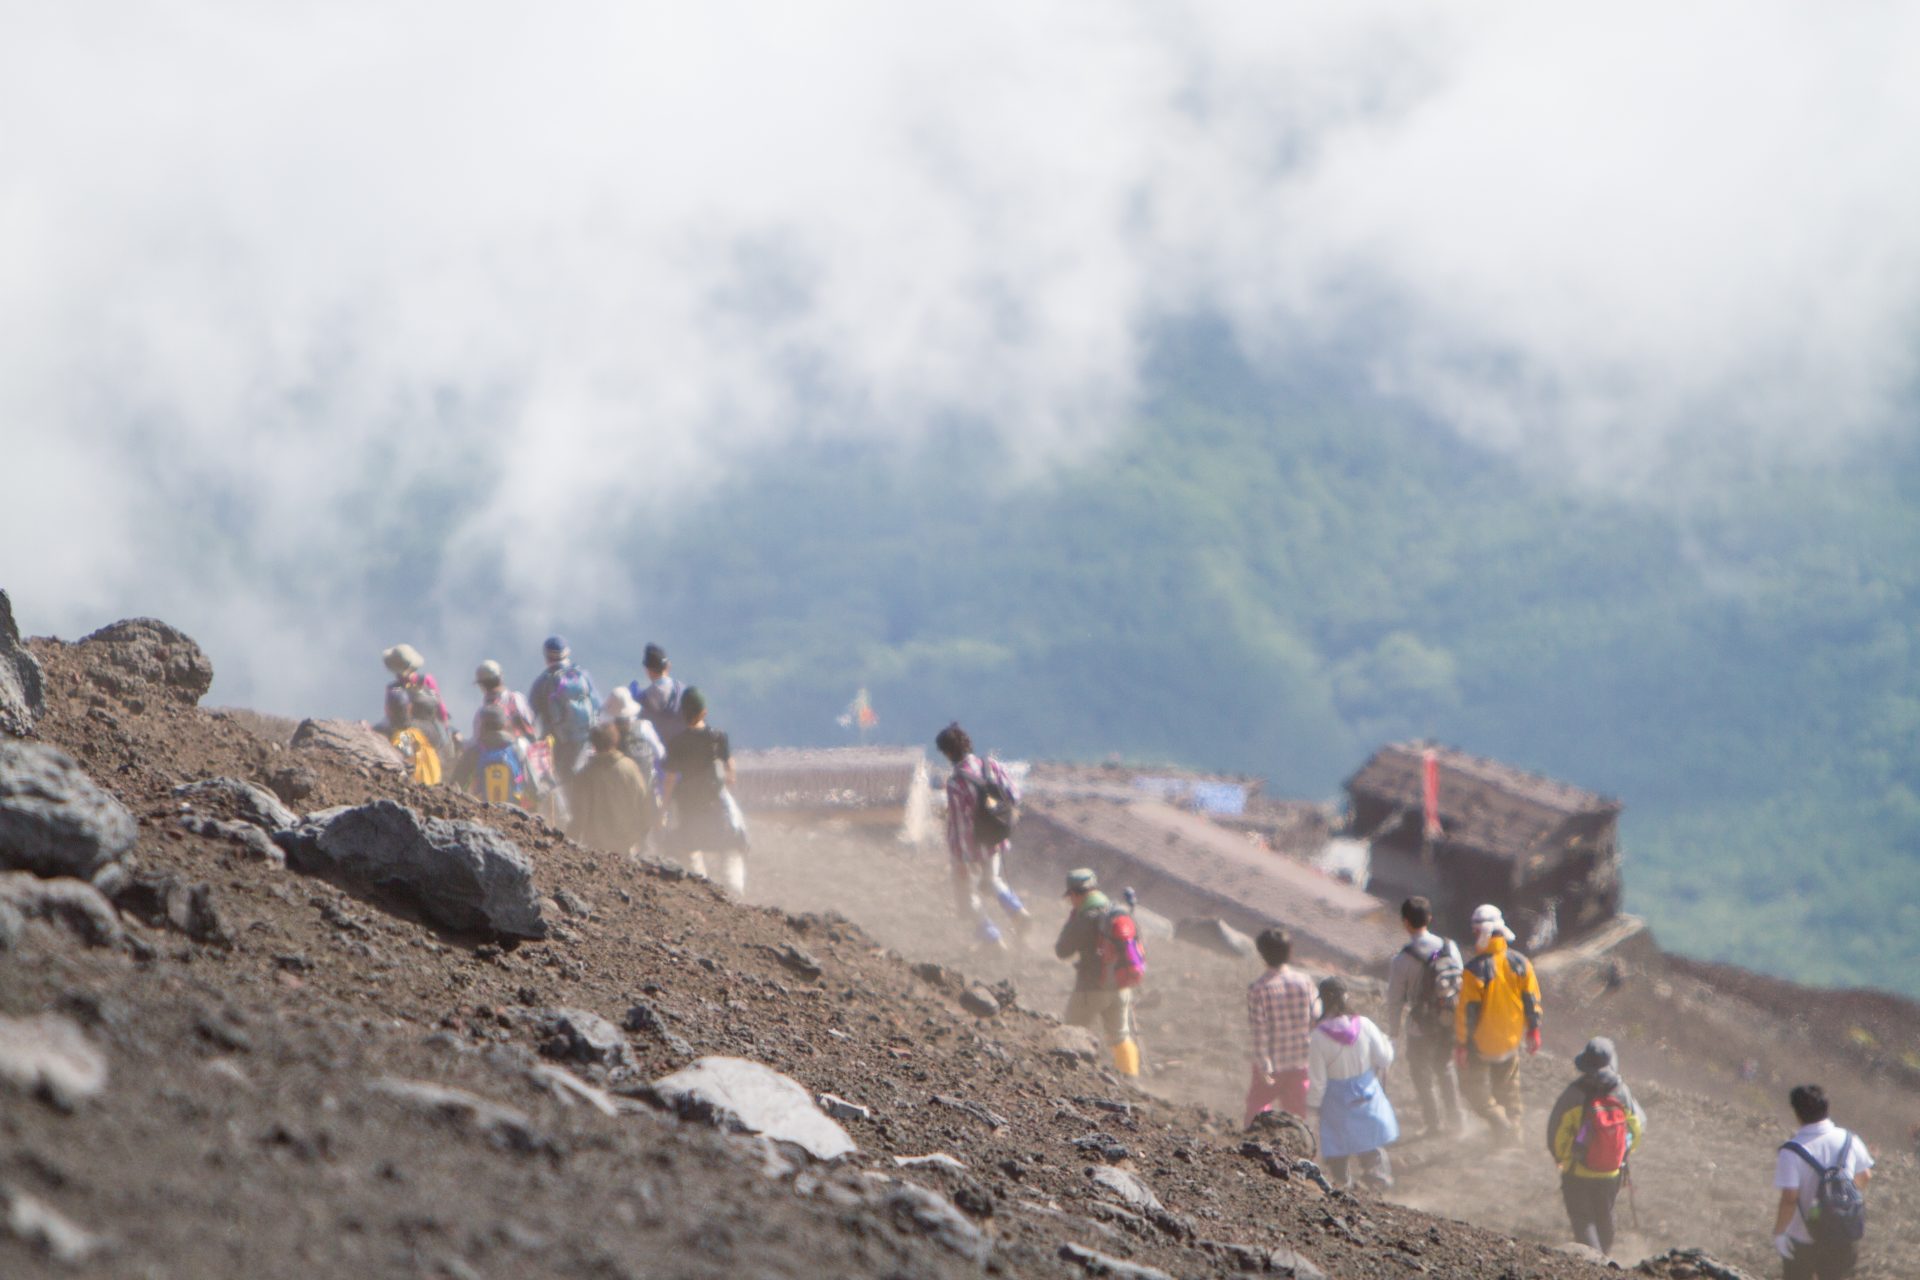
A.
x: 1601, y: 1145
x: 1121, y: 955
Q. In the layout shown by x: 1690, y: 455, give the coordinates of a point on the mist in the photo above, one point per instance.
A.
x: 283, y: 283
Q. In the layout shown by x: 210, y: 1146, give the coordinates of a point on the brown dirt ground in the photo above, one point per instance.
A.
x: 239, y: 1134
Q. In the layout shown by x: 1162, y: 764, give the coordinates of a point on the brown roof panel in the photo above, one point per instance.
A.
x: 1484, y: 803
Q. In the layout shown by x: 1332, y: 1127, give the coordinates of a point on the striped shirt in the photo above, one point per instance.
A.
x: 961, y: 792
x: 1280, y: 1014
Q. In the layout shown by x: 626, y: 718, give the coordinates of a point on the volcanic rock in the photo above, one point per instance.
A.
x: 933, y: 1215
x: 748, y: 1097
x: 1099, y: 1264
x: 979, y: 1002
x: 241, y: 799
x: 463, y: 875
x: 579, y: 1036
x: 22, y: 696
x: 145, y: 655
x: 1133, y: 1192
x: 169, y: 901
x: 73, y: 903
x: 1214, y: 935
x: 351, y: 739
x: 501, y: 1125
x: 40, y: 1226
x: 54, y: 820
x: 50, y: 1056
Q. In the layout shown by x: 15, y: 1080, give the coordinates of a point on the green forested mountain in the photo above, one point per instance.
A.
x: 1275, y: 577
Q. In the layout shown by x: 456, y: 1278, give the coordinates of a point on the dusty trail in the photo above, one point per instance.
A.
x: 1702, y: 1179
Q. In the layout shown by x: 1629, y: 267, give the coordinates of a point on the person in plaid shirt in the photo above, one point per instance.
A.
x: 976, y: 870
x: 1280, y: 1013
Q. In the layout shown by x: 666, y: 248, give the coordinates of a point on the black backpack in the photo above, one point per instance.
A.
x: 1438, y: 994
x: 994, y: 810
x: 1839, y: 1211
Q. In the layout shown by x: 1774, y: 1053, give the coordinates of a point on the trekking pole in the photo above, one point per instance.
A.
x: 1633, y: 1206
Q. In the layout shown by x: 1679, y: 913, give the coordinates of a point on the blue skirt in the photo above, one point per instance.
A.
x: 1355, y: 1117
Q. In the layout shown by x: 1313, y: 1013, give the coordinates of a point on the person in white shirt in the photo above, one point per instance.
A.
x: 1346, y: 1056
x: 1823, y: 1144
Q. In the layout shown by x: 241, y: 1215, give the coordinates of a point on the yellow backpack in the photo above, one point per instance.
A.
x: 420, y: 755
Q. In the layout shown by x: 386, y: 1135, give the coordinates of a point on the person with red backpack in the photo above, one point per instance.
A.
x: 1593, y: 1127
x: 1100, y: 938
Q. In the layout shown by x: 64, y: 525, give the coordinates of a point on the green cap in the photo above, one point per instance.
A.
x: 1081, y: 879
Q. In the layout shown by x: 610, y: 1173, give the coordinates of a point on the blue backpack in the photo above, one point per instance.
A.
x: 1839, y: 1211
x: 570, y: 708
x: 503, y: 775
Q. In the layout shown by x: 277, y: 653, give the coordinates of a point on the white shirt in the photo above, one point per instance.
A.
x: 1328, y: 1059
x: 1823, y: 1142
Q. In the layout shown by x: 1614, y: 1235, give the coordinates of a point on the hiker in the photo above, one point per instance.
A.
x: 1820, y: 1173
x: 501, y: 773
x: 702, y: 818
x: 415, y: 746
x: 1591, y: 1131
x: 611, y: 799
x: 565, y: 705
x: 1280, y: 1012
x: 1101, y: 999
x: 982, y: 801
x: 492, y: 683
x: 1423, y: 990
x: 1498, y: 1013
x: 428, y: 710
x: 637, y: 735
x: 660, y: 696
x: 1346, y: 1056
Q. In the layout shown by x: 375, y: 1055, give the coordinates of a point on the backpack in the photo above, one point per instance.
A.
x: 1839, y: 1211
x: 1122, y: 957
x: 422, y: 760
x: 661, y: 710
x: 1438, y: 994
x: 995, y: 811
x: 1604, y: 1137
x: 569, y: 708
x: 503, y: 779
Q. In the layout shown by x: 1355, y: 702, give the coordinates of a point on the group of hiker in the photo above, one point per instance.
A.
x: 640, y: 765
x: 1460, y: 1024
x: 1461, y: 1027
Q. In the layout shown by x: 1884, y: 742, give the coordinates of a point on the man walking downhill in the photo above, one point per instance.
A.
x: 976, y: 858
x: 1591, y: 1131
x: 1098, y: 1002
x: 1820, y: 1173
x: 1499, y: 1012
x: 1280, y: 1016
x: 1423, y: 990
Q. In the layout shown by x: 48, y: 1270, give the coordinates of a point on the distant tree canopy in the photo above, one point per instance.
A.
x: 1256, y: 577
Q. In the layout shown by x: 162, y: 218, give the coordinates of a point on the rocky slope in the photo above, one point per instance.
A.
x: 245, y: 1069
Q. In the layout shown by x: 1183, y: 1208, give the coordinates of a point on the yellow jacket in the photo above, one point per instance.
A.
x: 1499, y: 1000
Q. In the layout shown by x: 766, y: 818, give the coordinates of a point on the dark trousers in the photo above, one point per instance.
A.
x: 1834, y: 1261
x: 1590, y: 1209
x: 1430, y: 1065
x: 1375, y: 1166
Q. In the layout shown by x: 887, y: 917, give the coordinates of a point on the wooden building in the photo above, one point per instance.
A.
x: 1544, y: 852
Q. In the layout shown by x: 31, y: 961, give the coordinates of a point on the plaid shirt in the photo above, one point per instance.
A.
x: 960, y: 798
x: 1280, y: 1012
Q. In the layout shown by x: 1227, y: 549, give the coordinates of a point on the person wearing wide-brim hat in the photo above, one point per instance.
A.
x: 1097, y: 1003
x: 1593, y: 1127
x: 1346, y: 1056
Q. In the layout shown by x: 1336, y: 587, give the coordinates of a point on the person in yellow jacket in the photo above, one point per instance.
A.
x: 1499, y: 1011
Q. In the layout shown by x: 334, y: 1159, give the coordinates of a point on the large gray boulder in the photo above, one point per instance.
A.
x: 351, y: 739
x: 462, y: 875
x: 141, y: 657
x: 73, y: 904
x: 50, y: 1056
x: 22, y: 696
x: 54, y: 820
x: 745, y: 1096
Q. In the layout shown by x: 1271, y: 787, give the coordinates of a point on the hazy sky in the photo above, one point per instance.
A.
x: 270, y: 273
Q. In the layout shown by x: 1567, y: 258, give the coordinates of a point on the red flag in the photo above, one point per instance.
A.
x: 1432, y: 792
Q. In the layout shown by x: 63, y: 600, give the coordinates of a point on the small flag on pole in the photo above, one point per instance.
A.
x: 859, y: 714
x: 1431, y: 792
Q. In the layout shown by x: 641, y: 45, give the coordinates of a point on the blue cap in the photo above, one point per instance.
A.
x: 556, y: 645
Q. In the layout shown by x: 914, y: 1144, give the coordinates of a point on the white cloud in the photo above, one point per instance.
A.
x: 267, y: 268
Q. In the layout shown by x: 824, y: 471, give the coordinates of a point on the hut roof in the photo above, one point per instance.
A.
x: 1484, y: 804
